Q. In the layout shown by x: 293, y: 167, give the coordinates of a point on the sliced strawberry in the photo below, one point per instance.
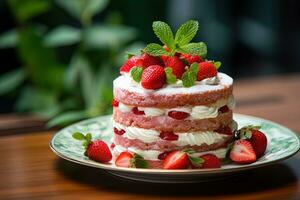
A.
x: 224, y: 109
x: 226, y: 130
x: 176, y: 160
x: 99, y: 151
x: 178, y: 67
x: 136, y: 111
x: 242, y: 152
x: 153, y: 77
x: 129, y: 63
x: 259, y: 142
x: 163, y: 155
x: 114, y: 103
x: 124, y: 159
x: 112, y: 145
x: 191, y: 58
x: 164, y: 135
x: 206, y: 70
x: 210, y: 161
x: 119, y: 132
x: 178, y: 115
x: 147, y: 60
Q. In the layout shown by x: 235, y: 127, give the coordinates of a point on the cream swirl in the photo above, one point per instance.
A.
x: 124, y: 108
x: 152, y: 111
x: 204, y: 112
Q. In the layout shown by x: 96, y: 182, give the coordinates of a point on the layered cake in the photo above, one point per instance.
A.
x: 172, y: 98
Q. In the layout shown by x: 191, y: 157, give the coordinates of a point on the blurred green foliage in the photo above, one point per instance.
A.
x: 72, y: 88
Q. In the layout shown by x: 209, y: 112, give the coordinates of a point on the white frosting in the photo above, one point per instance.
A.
x: 215, y: 83
x: 204, y: 112
x: 153, y: 154
x: 124, y: 108
x: 189, y: 138
x: 152, y: 111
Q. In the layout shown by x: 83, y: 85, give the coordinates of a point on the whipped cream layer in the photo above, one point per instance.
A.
x: 184, y: 139
x: 153, y: 154
x: 196, y: 112
x: 215, y: 83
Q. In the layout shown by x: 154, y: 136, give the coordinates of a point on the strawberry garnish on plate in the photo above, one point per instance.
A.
x: 177, y: 66
x: 153, y: 77
x: 126, y: 159
x: 114, y: 103
x: 96, y: 150
x: 129, y: 63
x: 190, y: 59
x: 210, y: 161
x: 178, y: 115
x: 242, y: 152
x: 257, y: 138
x: 176, y: 160
x: 206, y: 70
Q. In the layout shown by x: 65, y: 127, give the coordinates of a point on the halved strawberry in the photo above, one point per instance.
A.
x: 206, y: 70
x: 153, y: 77
x: 178, y: 115
x: 191, y: 58
x: 176, y: 160
x: 118, y: 132
x: 178, y: 67
x: 147, y: 60
x: 210, y: 161
x: 242, y: 152
x: 224, y: 109
x: 165, y: 135
x: 129, y: 63
x: 124, y: 159
x: 114, y: 103
x: 259, y: 142
x: 226, y: 130
x: 163, y: 155
x: 136, y: 111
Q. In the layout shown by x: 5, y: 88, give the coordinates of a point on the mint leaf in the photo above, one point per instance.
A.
x: 136, y: 73
x: 129, y: 54
x: 155, y: 50
x: 78, y: 136
x: 138, y: 161
x: 199, y: 49
x: 196, y: 161
x: 171, y: 78
x: 217, y: 64
x: 190, y: 76
x: 88, y: 137
x: 163, y: 31
x: 186, y: 32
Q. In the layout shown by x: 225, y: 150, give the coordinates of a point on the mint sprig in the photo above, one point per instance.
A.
x: 136, y: 73
x: 190, y: 76
x: 138, y: 161
x: 85, y: 138
x: 217, y: 64
x: 171, y: 78
x: 180, y: 43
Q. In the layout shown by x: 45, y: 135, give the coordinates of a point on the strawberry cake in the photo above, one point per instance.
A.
x: 171, y: 98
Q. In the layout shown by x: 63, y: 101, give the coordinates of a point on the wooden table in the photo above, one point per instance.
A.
x: 29, y: 170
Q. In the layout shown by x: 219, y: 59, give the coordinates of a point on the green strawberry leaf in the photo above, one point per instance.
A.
x: 138, y: 161
x: 196, y: 161
x: 163, y: 31
x: 186, y: 32
x: 171, y: 78
x: 88, y: 137
x: 136, y: 73
x: 129, y: 54
x: 155, y: 50
x: 78, y: 136
x: 217, y: 64
x: 194, y: 49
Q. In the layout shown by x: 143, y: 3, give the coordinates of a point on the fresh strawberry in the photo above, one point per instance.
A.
x: 147, y: 60
x: 206, y: 70
x: 226, y: 130
x: 153, y: 77
x: 176, y: 160
x: 242, y: 152
x: 136, y: 111
x: 191, y: 58
x: 114, y: 103
x: 124, y: 159
x: 165, y: 135
x: 257, y: 138
x: 178, y: 67
x: 96, y: 150
x: 118, y: 132
x: 224, y: 109
x: 178, y: 115
x: 99, y: 151
x: 130, y: 63
x: 210, y: 161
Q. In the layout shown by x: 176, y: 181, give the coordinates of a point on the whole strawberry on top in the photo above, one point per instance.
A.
x: 176, y: 60
x: 96, y: 150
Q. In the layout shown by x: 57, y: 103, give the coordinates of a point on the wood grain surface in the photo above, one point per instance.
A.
x: 29, y: 169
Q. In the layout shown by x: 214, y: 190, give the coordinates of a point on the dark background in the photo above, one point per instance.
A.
x: 251, y: 37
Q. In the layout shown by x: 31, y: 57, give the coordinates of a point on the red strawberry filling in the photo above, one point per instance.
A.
x: 178, y: 115
x: 136, y: 111
x: 163, y: 155
x: 224, y: 109
x: 119, y: 132
x: 224, y: 130
x: 168, y: 136
x: 112, y: 146
x: 114, y: 103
